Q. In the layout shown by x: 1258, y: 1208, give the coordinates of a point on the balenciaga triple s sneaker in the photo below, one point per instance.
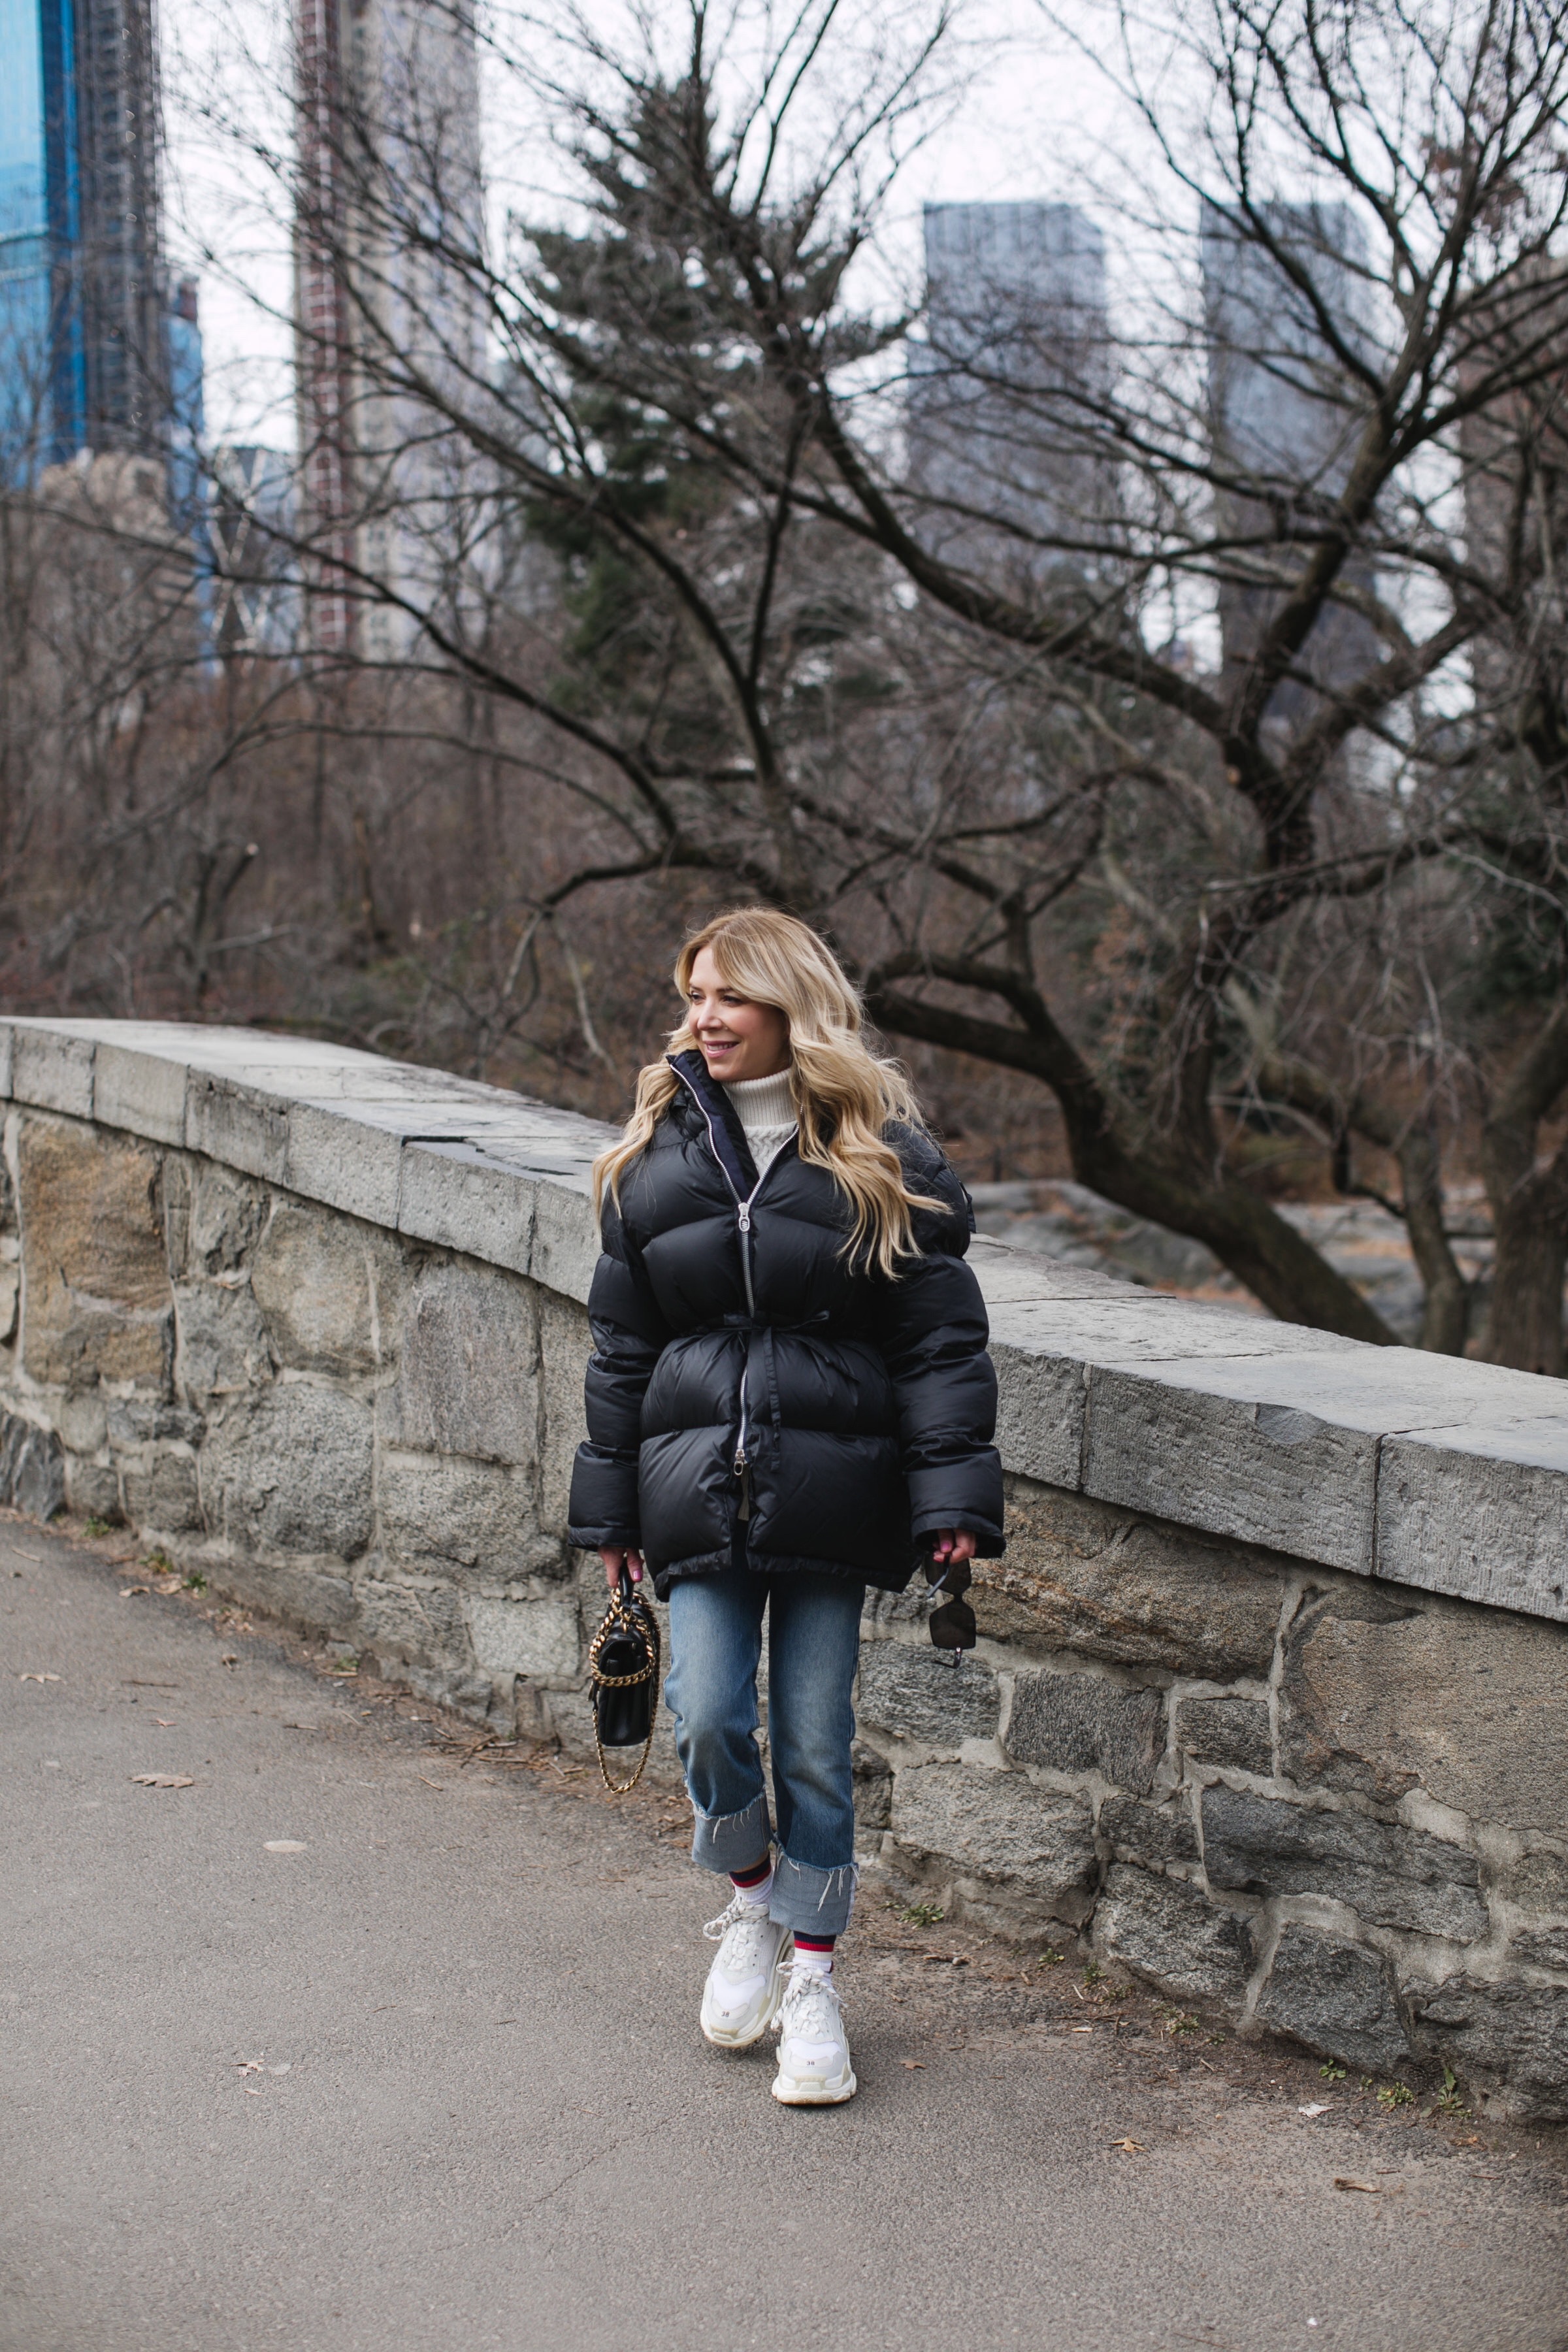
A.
x: 814, y: 2049
x: 744, y: 1987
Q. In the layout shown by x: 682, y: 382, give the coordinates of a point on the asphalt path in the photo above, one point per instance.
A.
x: 361, y: 2040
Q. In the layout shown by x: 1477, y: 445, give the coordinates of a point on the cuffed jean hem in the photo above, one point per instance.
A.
x: 726, y: 1841
x: 809, y: 1901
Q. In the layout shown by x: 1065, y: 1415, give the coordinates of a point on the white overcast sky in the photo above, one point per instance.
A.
x: 1022, y: 131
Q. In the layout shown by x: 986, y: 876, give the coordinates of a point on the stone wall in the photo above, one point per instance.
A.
x: 1271, y: 1704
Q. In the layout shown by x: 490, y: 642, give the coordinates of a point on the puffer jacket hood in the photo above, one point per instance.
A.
x: 756, y: 1394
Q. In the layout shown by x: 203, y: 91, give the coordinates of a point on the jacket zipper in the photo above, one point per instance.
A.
x: 743, y: 1468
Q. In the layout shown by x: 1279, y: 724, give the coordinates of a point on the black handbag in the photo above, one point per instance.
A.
x: 623, y: 1670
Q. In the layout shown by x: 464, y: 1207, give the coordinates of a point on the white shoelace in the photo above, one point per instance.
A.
x: 738, y: 1933
x: 812, y: 2007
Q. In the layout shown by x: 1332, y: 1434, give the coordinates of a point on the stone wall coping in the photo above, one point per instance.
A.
x: 1423, y: 1470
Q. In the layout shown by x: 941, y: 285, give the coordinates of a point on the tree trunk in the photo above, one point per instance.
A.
x: 1525, y: 1325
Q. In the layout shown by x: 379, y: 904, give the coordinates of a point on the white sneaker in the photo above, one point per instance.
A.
x: 814, y: 2050
x: 744, y: 1987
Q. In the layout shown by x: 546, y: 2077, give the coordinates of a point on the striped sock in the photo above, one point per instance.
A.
x: 756, y: 1883
x: 815, y: 1953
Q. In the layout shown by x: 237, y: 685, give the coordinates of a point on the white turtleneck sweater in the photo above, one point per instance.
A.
x: 765, y: 1108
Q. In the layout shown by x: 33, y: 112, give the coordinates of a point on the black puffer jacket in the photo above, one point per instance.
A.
x: 751, y: 1394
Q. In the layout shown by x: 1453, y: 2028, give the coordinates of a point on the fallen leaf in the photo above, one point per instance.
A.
x: 250, y: 2093
x: 431, y: 1784
x: 1317, y: 2107
x: 129, y: 1592
x: 914, y: 2066
x: 1130, y: 2147
x: 282, y: 1846
x: 248, y: 2066
x: 163, y: 1781
x: 37, y: 1678
x: 229, y: 1659
x: 165, y: 1722
x: 1367, y: 2187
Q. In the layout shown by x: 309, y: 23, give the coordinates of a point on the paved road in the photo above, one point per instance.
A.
x: 478, y: 2114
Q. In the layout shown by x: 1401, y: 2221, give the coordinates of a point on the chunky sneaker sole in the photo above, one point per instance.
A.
x: 814, y: 2049
x: 814, y: 2090
x: 737, y: 2010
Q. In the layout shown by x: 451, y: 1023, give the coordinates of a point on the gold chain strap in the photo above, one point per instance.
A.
x: 624, y: 1617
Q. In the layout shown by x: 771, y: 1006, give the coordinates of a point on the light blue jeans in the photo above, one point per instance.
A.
x: 814, y: 1647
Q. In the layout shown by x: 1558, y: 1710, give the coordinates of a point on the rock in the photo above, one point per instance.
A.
x: 536, y: 1637
x: 81, y: 1422
x: 140, y: 1421
x: 97, y: 1299
x: 1396, y: 1878
x: 1537, y: 1881
x: 1082, y: 1722
x: 563, y: 1349
x: 92, y: 1489
x: 1168, y: 1931
x: 474, y: 1696
x: 1542, y: 1948
x: 873, y: 1788
x: 997, y: 1826
x: 1080, y: 1575
x: 467, y: 1380
x: 222, y: 1347
x: 32, y: 1467
x: 1233, y: 1731
x: 402, y: 1621
x: 315, y: 1278
x: 1337, y: 1997
x: 224, y: 1219
x: 289, y: 1470
x: 907, y: 1689
x: 1516, y: 2034
x: 10, y: 1299
x: 1385, y: 1689
x: 1149, y: 1833
x: 309, y: 1597
x: 473, y: 1515
x: 164, y: 1499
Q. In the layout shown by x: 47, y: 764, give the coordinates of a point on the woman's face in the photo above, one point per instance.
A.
x: 739, y: 1039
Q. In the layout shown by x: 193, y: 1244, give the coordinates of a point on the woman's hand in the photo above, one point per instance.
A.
x: 614, y: 1558
x: 951, y: 1544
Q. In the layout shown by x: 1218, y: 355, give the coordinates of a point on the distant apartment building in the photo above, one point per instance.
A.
x: 1016, y: 344
x: 92, y: 344
x: 390, y: 197
x: 1283, y: 421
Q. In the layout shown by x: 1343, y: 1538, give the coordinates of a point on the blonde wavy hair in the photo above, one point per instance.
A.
x: 844, y: 1095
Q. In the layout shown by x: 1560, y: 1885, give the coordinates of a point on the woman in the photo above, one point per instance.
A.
x: 789, y: 1399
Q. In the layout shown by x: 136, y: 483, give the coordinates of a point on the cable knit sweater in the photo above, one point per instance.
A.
x: 765, y: 1108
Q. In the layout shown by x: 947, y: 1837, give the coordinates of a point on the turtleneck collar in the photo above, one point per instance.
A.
x: 763, y: 1102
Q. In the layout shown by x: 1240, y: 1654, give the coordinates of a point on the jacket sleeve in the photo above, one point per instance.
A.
x: 630, y: 1335
x: 932, y: 1331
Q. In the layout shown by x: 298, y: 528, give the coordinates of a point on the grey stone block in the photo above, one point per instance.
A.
x: 537, y: 1637
x: 474, y: 1696
x: 1396, y: 1878
x: 1338, y: 1998
x: 52, y: 1069
x: 1040, y: 1407
x: 7, y: 1056
x: 81, y: 1422
x: 143, y: 1092
x: 1081, y: 1576
x: 997, y: 1826
x: 563, y: 1347
x: 454, y: 1195
x: 873, y: 1788
x: 92, y: 1489
x: 478, y: 1515
x: 32, y: 1467
x: 1082, y: 1722
x: 1208, y: 1443
x: 226, y: 1217
x: 565, y: 1243
x: 1149, y: 1833
x: 466, y: 1380
x: 1233, y: 1731
x: 243, y: 1129
x: 289, y: 1470
x: 222, y: 1347
x: 312, y: 1275
x: 163, y: 1498
x: 1383, y: 1689
x: 10, y: 1299
x: 98, y: 1301
x: 1170, y: 1931
x: 1542, y: 1948
x: 1457, y: 1518
x: 349, y: 1163
x: 1515, y: 2034
x: 1537, y: 1881
x: 402, y: 1621
x: 909, y: 1689
x: 140, y: 1421
x: 309, y: 1597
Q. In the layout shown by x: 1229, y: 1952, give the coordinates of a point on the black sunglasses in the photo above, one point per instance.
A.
x: 952, y: 1625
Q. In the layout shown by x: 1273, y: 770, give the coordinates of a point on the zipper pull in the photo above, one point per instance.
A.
x: 743, y: 1216
x: 744, y: 1473
x: 741, y: 1459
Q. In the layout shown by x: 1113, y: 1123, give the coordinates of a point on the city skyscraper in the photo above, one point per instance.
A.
x: 1016, y: 328
x: 88, y: 344
x: 1283, y: 421
x: 389, y: 199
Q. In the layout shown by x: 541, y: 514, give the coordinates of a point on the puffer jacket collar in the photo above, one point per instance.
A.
x: 725, y: 1133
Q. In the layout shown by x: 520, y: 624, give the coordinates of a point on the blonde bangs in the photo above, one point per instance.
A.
x: 844, y: 1095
